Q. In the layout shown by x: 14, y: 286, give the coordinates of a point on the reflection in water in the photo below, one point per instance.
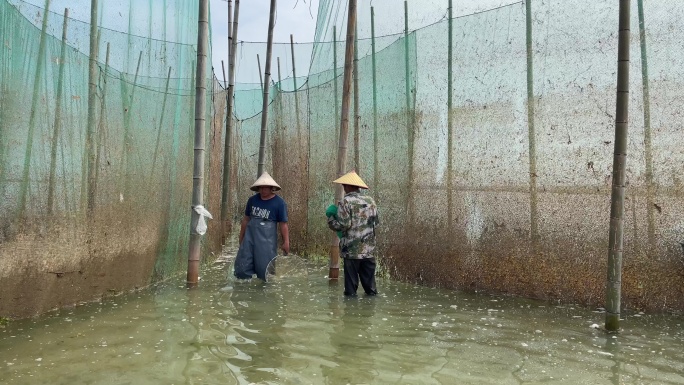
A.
x: 298, y: 329
x: 354, y: 343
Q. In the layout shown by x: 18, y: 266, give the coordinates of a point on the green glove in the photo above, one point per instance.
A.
x: 331, y: 211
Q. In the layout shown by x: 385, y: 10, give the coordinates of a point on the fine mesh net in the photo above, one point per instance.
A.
x: 140, y: 177
x: 476, y: 202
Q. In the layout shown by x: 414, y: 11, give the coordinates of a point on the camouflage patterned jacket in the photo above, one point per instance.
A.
x: 357, y: 217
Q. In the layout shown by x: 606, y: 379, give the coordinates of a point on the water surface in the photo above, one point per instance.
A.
x: 299, y: 329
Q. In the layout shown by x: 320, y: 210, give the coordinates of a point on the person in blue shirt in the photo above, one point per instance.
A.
x: 264, y: 213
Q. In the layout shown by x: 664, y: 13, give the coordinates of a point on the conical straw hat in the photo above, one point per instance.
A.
x: 264, y: 180
x: 351, y: 179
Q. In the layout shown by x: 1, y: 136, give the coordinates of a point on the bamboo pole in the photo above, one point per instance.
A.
x: 357, y: 117
x: 200, y: 118
x: 337, y: 108
x: 226, y: 196
x: 450, y: 121
x: 648, y: 143
x: 267, y: 82
x: 376, y: 171
x: 531, y: 136
x: 296, y: 94
x: 161, y: 121
x: 34, y: 106
x: 92, y: 103
x: 617, y: 207
x: 57, y: 126
x: 261, y: 79
x: 334, y: 268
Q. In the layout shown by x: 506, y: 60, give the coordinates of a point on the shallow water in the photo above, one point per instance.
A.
x: 298, y: 329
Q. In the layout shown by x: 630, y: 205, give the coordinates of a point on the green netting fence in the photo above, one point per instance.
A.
x: 135, y: 226
x: 474, y: 193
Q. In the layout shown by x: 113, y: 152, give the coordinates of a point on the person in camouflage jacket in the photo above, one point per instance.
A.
x: 355, y: 222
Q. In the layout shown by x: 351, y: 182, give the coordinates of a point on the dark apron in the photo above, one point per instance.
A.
x: 259, y: 247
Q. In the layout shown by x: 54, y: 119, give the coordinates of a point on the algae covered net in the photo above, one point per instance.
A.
x: 486, y: 134
x: 95, y: 186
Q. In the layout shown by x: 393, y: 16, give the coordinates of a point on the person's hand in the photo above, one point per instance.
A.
x: 286, y: 247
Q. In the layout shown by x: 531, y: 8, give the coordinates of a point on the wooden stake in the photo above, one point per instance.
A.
x: 334, y: 271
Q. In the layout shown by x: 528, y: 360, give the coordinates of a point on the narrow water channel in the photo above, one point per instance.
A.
x: 298, y: 329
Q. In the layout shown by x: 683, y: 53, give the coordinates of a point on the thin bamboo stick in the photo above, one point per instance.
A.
x: 57, y: 126
x: 103, y: 113
x: 296, y: 94
x: 337, y: 108
x: 226, y: 196
x: 230, y: 36
x: 261, y: 79
x: 409, y: 117
x: 281, y: 127
x: 450, y: 121
x: 34, y: 107
x: 617, y: 207
x: 128, y: 109
x: 267, y: 82
x: 92, y: 103
x: 357, y: 117
x: 648, y: 142
x: 334, y: 268
x: 376, y: 165
x: 531, y: 135
x: 161, y: 122
x: 200, y: 118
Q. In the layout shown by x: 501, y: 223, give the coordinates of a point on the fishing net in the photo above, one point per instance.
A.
x: 97, y: 197
x: 510, y: 171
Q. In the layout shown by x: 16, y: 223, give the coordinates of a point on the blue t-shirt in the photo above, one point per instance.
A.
x: 274, y: 209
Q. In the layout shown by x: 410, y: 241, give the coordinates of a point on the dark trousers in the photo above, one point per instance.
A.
x: 359, y: 268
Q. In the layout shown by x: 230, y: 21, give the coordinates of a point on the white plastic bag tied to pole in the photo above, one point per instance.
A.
x: 201, y: 228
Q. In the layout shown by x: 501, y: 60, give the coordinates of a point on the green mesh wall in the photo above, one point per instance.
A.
x: 138, y: 225
x: 474, y: 215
